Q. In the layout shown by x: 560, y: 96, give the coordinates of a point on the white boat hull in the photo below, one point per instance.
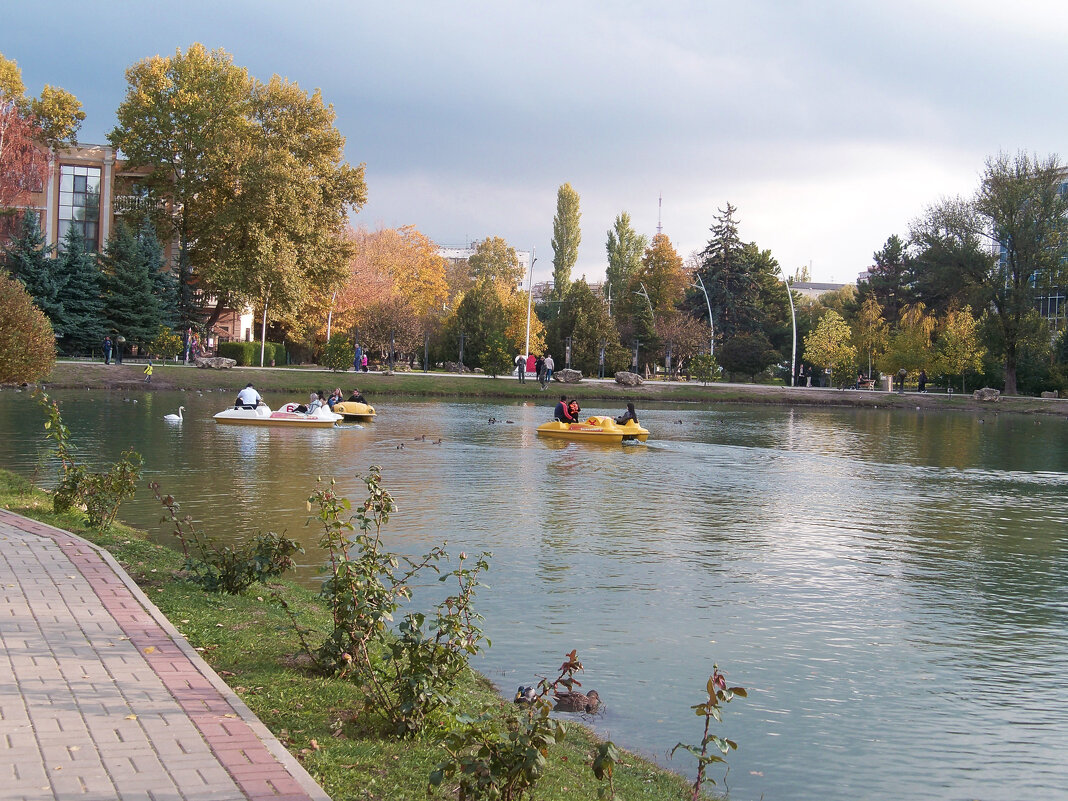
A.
x: 286, y: 416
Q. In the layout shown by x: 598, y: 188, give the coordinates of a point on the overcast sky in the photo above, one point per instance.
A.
x: 829, y: 125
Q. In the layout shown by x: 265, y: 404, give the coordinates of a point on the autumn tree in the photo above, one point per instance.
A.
x: 870, y: 333
x: 494, y: 258
x: 566, y: 238
x: 957, y: 345
x: 910, y: 345
x: 27, y: 344
x: 661, y: 275
x: 625, y: 248
x: 829, y: 345
x: 28, y: 127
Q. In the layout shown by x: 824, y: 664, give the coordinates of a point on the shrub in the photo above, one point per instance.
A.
x: 166, y: 344
x: 247, y: 354
x: 27, y: 342
x: 229, y: 569
x: 337, y: 355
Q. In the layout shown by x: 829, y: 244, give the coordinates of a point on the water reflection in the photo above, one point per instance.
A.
x: 890, y: 585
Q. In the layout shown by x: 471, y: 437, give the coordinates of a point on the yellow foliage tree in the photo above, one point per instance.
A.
x: 958, y: 345
x: 829, y: 345
x: 27, y: 343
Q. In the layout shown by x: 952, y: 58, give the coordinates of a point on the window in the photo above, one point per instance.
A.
x: 79, y: 204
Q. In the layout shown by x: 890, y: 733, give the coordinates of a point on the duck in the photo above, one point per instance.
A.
x: 525, y: 695
x: 577, y: 702
x: 175, y: 418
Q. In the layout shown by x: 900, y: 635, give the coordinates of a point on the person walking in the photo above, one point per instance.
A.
x: 107, y: 346
x: 922, y: 381
x: 521, y: 368
x: 547, y: 374
x: 357, y: 359
x: 148, y: 372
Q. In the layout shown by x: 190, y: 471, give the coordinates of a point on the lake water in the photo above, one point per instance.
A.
x: 891, y: 587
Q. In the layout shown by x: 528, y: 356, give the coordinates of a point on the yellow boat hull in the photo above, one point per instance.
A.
x: 351, y: 410
x: 595, y: 429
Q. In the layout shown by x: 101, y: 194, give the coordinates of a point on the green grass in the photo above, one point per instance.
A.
x: 252, y: 644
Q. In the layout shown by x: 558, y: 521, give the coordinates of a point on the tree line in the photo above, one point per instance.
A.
x: 246, y: 182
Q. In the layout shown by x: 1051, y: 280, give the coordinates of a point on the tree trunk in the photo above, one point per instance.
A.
x: 1010, y: 369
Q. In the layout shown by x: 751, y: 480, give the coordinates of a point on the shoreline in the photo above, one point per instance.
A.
x: 378, y: 386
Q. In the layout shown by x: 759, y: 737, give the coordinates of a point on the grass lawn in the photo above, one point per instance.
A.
x: 252, y: 644
x: 379, y: 387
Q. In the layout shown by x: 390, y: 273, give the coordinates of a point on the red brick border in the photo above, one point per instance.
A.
x: 222, y: 721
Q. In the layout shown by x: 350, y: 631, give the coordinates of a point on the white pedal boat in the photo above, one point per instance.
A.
x: 286, y: 416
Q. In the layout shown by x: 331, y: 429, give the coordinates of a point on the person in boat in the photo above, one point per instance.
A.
x: 318, y: 400
x: 574, y: 410
x: 562, y: 412
x: 248, y: 398
x: 357, y: 396
x: 335, y: 397
x: 306, y: 408
x: 630, y: 414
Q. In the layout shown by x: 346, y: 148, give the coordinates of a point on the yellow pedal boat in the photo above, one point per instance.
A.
x: 351, y: 410
x: 595, y: 429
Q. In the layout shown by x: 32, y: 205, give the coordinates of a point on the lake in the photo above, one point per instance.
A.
x: 891, y: 587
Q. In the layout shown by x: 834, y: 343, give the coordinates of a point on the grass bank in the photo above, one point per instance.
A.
x: 251, y: 643
x: 379, y: 387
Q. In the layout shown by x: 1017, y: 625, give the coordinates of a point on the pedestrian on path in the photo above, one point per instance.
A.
x: 521, y: 368
x: 547, y: 375
x: 107, y: 350
x: 148, y: 371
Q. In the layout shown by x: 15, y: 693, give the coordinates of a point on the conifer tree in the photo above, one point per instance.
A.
x: 28, y: 259
x: 130, y: 305
x: 83, y: 325
x: 164, y: 280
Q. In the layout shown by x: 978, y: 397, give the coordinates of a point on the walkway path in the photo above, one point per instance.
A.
x: 101, y: 698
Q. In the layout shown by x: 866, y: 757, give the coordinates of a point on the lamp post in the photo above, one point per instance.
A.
x: 461, y: 351
x: 567, y: 352
x: 530, y: 295
x: 711, y: 326
x: 793, y: 319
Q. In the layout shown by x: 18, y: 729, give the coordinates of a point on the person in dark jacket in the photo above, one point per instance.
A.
x: 562, y: 412
x: 630, y: 414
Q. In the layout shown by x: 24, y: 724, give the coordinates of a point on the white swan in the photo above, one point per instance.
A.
x: 174, y: 418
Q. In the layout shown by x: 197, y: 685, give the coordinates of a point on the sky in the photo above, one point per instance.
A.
x: 829, y: 125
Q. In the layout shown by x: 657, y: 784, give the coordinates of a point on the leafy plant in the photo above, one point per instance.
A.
x: 496, y: 359
x: 66, y: 493
x: 229, y: 569
x: 603, y: 766
x: 102, y: 493
x: 366, y: 586
x: 494, y: 760
x: 166, y: 344
x: 718, y: 694
x: 337, y: 355
x: 703, y: 367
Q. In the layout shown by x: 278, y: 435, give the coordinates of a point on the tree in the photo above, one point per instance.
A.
x: 82, y: 324
x: 888, y: 279
x: 164, y: 281
x: 185, y: 123
x: 958, y: 346
x: 496, y: 259
x: 566, y: 238
x: 479, y: 317
x: 748, y: 354
x: 27, y: 344
x: 496, y: 358
x: 662, y: 275
x: 625, y: 248
x: 829, y: 346
x: 28, y: 259
x: 28, y: 126
x: 165, y: 344
x: 870, y: 332
x: 1019, y: 212
x: 130, y: 303
x: 910, y: 345
x: 584, y: 317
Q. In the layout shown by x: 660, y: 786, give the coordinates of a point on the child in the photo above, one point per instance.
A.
x: 148, y: 372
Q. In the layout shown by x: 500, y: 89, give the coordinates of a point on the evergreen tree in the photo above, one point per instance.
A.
x: 83, y: 325
x: 28, y: 259
x: 888, y: 280
x: 625, y: 247
x: 164, y: 281
x: 129, y: 294
x: 566, y: 238
x: 584, y: 317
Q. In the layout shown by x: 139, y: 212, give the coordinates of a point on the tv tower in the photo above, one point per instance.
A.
x: 659, y: 213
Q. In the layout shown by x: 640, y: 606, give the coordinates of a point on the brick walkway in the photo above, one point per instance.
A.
x: 100, y: 696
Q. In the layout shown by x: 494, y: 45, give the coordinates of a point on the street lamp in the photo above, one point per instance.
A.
x: 711, y: 326
x: 530, y: 295
x: 793, y: 319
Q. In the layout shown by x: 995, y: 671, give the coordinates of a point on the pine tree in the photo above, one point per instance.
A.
x: 130, y: 305
x: 164, y: 281
x: 566, y: 238
x: 83, y: 325
x: 28, y: 259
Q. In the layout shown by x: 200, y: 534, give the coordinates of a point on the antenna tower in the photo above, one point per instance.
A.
x: 659, y: 213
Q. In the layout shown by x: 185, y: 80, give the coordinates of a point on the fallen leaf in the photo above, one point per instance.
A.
x: 222, y: 672
x: 131, y: 717
x: 314, y: 744
x: 150, y: 649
